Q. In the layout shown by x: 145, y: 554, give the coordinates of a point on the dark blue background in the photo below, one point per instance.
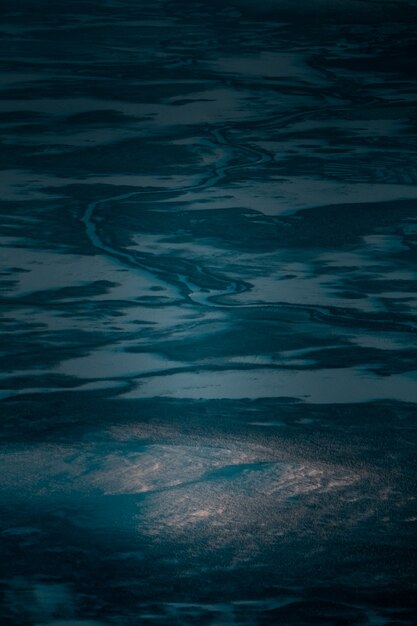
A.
x: 208, y: 296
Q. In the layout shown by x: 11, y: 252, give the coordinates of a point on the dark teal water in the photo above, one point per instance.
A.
x: 208, y: 244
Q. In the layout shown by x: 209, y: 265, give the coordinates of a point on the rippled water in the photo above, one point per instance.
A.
x: 208, y: 246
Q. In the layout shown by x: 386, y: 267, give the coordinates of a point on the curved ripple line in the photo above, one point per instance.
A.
x: 186, y: 286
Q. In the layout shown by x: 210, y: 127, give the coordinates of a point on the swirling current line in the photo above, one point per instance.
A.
x: 148, y: 262
x: 189, y: 290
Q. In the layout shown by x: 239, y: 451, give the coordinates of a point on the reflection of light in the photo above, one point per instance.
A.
x: 242, y: 495
x: 205, y: 495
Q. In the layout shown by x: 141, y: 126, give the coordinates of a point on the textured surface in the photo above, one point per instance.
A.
x: 209, y: 232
